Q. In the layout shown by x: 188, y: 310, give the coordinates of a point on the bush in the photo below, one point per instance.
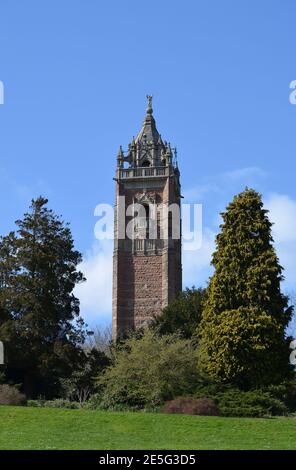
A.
x: 285, y: 392
x: 10, y: 395
x: 81, y: 384
x: 149, y: 371
x: 60, y: 403
x: 94, y: 402
x: 57, y: 403
x: 191, y: 406
x: 34, y: 403
x: 252, y: 403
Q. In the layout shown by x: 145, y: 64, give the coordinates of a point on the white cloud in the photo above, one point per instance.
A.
x: 245, y: 173
x: 282, y: 212
x: 218, y: 183
x: 96, y: 293
x: 24, y: 191
x: 196, y: 264
x: 197, y: 193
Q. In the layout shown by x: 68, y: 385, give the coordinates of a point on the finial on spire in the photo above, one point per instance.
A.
x: 175, y: 157
x: 120, y: 157
x: 149, y: 109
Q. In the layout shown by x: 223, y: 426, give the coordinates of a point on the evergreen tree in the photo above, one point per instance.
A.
x: 242, y: 333
x: 38, y: 272
x: 182, y: 315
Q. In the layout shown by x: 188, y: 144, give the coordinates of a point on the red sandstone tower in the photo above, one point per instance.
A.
x: 147, y: 271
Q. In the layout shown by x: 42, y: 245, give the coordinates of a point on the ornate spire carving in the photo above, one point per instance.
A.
x: 148, y: 148
x: 149, y: 109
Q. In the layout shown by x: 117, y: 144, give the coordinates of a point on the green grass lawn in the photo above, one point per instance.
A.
x: 46, y: 428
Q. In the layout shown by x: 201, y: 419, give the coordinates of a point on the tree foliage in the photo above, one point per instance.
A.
x: 38, y: 272
x: 245, y: 316
x: 82, y: 383
x: 150, y: 370
x: 182, y: 315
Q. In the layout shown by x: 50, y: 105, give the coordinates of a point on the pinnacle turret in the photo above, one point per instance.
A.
x: 148, y: 148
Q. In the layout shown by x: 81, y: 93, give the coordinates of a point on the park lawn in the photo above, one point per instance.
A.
x: 47, y: 428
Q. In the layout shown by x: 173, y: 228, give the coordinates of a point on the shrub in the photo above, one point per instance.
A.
x: 34, y: 403
x: 10, y: 395
x: 60, y: 403
x: 285, y: 392
x: 252, y: 403
x: 149, y: 371
x: 57, y: 403
x: 81, y: 384
x: 191, y: 406
x: 94, y: 402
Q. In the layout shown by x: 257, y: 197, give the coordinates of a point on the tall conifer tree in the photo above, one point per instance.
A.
x: 242, y: 333
x: 38, y: 272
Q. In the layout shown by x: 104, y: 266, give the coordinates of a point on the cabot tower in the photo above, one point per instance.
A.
x: 147, y: 271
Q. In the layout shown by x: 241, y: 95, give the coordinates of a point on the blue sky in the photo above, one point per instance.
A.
x: 75, y: 77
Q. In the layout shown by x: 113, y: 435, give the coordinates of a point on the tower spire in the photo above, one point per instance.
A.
x: 149, y: 132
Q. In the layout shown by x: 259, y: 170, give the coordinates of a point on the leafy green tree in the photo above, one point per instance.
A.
x: 40, y: 323
x: 150, y: 370
x: 82, y: 382
x: 245, y: 316
x: 182, y: 315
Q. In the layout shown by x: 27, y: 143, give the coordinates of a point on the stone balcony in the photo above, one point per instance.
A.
x: 141, y: 172
x: 148, y: 246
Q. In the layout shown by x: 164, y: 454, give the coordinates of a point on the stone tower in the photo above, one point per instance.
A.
x: 147, y: 271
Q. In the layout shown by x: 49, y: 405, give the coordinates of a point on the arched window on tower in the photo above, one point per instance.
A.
x: 142, y: 226
x: 170, y: 225
x: 158, y: 235
x: 147, y: 220
x: 146, y: 163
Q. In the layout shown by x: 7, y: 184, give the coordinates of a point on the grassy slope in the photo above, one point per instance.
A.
x: 35, y: 428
